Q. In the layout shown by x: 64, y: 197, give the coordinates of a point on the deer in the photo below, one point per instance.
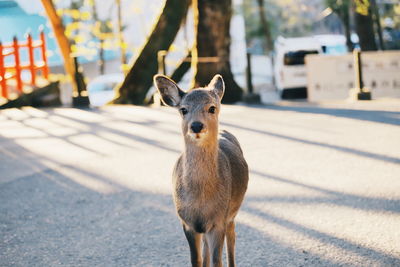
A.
x: 211, y: 175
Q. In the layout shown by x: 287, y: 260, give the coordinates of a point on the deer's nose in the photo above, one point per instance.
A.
x: 196, y: 127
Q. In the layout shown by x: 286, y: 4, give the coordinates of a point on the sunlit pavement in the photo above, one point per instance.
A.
x: 92, y: 187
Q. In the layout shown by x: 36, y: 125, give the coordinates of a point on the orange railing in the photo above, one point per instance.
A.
x: 14, y: 70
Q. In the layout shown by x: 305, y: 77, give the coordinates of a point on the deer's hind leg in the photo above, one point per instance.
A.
x: 194, y: 240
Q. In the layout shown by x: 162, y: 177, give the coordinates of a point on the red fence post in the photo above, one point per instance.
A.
x: 44, y: 57
x: 3, y: 81
x: 17, y: 64
x: 32, y: 66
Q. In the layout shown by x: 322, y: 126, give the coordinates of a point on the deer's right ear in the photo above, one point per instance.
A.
x: 170, y: 93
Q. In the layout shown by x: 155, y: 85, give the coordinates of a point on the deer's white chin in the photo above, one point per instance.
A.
x: 197, y: 137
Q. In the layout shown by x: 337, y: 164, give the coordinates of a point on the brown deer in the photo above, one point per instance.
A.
x: 210, y: 177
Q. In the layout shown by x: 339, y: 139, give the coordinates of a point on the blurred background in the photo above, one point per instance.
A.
x: 269, y: 40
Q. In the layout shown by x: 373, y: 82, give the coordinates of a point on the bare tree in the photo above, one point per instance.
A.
x: 140, y: 77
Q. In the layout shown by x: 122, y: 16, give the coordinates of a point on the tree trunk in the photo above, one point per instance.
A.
x: 265, y: 25
x: 140, y: 77
x: 62, y: 40
x: 377, y: 18
x: 346, y: 23
x: 211, y: 53
x: 365, y: 25
x: 48, y: 96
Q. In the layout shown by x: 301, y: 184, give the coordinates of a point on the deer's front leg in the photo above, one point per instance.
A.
x: 215, y: 241
x: 230, y: 243
x: 206, y: 253
x: 194, y: 240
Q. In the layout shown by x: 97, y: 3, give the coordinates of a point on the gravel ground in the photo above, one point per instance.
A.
x: 92, y: 187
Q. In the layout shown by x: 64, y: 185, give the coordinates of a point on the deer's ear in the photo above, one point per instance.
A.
x: 217, y: 85
x: 170, y: 93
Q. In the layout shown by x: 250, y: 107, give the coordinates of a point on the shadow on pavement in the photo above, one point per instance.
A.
x: 331, y: 197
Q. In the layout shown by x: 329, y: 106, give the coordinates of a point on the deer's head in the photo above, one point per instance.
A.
x: 199, y: 107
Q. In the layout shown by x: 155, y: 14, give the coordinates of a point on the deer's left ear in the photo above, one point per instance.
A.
x: 217, y: 85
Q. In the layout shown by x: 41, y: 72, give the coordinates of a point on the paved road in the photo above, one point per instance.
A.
x: 92, y: 187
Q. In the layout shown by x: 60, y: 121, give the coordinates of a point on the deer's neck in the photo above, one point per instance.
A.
x: 201, y: 162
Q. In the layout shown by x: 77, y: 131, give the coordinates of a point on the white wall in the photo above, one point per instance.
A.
x: 332, y: 77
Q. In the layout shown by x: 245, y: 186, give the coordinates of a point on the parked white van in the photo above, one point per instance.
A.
x: 289, y: 69
x: 332, y: 44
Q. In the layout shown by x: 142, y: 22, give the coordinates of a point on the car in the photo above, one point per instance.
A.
x: 289, y: 66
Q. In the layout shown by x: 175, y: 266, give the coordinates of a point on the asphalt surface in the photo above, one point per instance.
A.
x: 93, y: 187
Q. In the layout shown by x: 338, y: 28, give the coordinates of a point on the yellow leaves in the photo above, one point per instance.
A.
x: 112, y: 44
x: 60, y: 12
x: 86, y: 15
x: 74, y: 48
x: 86, y: 34
x: 362, y: 7
x: 79, y: 39
x: 75, y: 14
x: 292, y: 21
x: 286, y: 2
x: 71, y: 28
x: 125, y: 68
x: 173, y: 48
x: 83, y: 51
x: 103, y: 36
x: 124, y: 45
x: 108, y: 45
x: 100, y: 31
x: 396, y: 9
x: 90, y: 2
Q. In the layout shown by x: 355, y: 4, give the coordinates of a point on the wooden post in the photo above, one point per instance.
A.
x: 362, y: 92
x: 44, y: 56
x: 161, y: 61
x: 17, y: 64
x: 82, y: 99
x: 249, y: 74
x: 3, y: 81
x: 32, y: 67
x: 250, y: 96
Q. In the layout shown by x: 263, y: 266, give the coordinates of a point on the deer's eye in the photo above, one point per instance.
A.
x: 183, y: 111
x: 212, y: 109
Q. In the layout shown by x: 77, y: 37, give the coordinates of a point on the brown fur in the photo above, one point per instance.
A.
x: 210, y: 177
